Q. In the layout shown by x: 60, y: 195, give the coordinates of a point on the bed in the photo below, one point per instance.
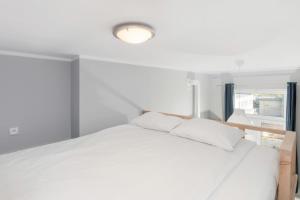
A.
x: 128, y: 162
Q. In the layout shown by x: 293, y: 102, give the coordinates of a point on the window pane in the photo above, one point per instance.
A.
x: 245, y: 101
x: 263, y: 104
x: 270, y: 105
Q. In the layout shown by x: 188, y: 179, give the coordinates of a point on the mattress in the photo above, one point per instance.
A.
x: 131, y: 163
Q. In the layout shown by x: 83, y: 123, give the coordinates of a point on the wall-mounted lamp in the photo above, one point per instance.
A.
x: 193, y: 82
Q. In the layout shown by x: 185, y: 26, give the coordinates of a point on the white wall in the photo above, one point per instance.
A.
x: 113, y: 93
x: 204, y: 101
x: 216, y: 95
x: 262, y: 81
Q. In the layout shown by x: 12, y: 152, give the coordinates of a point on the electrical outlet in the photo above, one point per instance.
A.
x: 14, y: 131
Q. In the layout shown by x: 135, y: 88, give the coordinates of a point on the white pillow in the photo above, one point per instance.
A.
x: 209, y: 132
x: 157, y: 121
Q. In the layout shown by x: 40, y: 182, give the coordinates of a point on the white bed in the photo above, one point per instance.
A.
x: 131, y: 163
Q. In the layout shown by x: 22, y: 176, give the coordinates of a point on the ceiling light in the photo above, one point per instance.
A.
x: 133, y: 33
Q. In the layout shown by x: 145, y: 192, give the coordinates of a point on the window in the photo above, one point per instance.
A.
x: 264, y: 103
x: 264, y: 108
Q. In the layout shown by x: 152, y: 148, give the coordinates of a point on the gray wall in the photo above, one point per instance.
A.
x: 112, y: 93
x: 35, y: 96
x: 75, y: 132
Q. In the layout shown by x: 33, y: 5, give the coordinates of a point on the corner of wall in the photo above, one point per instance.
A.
x: 75, y: 98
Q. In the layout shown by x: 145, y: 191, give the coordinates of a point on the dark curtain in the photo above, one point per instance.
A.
x: 291, y: 106
x: 291, y: 112
x: 229, y: 98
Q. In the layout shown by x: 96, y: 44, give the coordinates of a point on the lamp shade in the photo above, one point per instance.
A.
x: 239, y: 116
x: 133, y: 33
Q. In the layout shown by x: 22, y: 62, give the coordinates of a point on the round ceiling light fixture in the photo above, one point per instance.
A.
x: 133, y: 33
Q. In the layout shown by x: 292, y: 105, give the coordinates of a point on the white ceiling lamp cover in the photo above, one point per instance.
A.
x: 239, y: 116
x: 133, y: 33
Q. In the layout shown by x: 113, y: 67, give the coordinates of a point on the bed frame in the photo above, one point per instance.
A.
x: 287, y: 182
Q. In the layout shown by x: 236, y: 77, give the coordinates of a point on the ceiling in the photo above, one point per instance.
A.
x: 194, y: 35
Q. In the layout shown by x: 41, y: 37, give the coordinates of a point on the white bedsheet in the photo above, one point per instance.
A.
x: 131, y: 163
x: 255, y: 178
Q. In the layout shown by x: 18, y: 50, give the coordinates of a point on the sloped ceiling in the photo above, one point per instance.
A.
x: 194, y: 35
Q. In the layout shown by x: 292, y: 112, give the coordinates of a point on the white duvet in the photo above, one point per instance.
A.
x: 131, y: 163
